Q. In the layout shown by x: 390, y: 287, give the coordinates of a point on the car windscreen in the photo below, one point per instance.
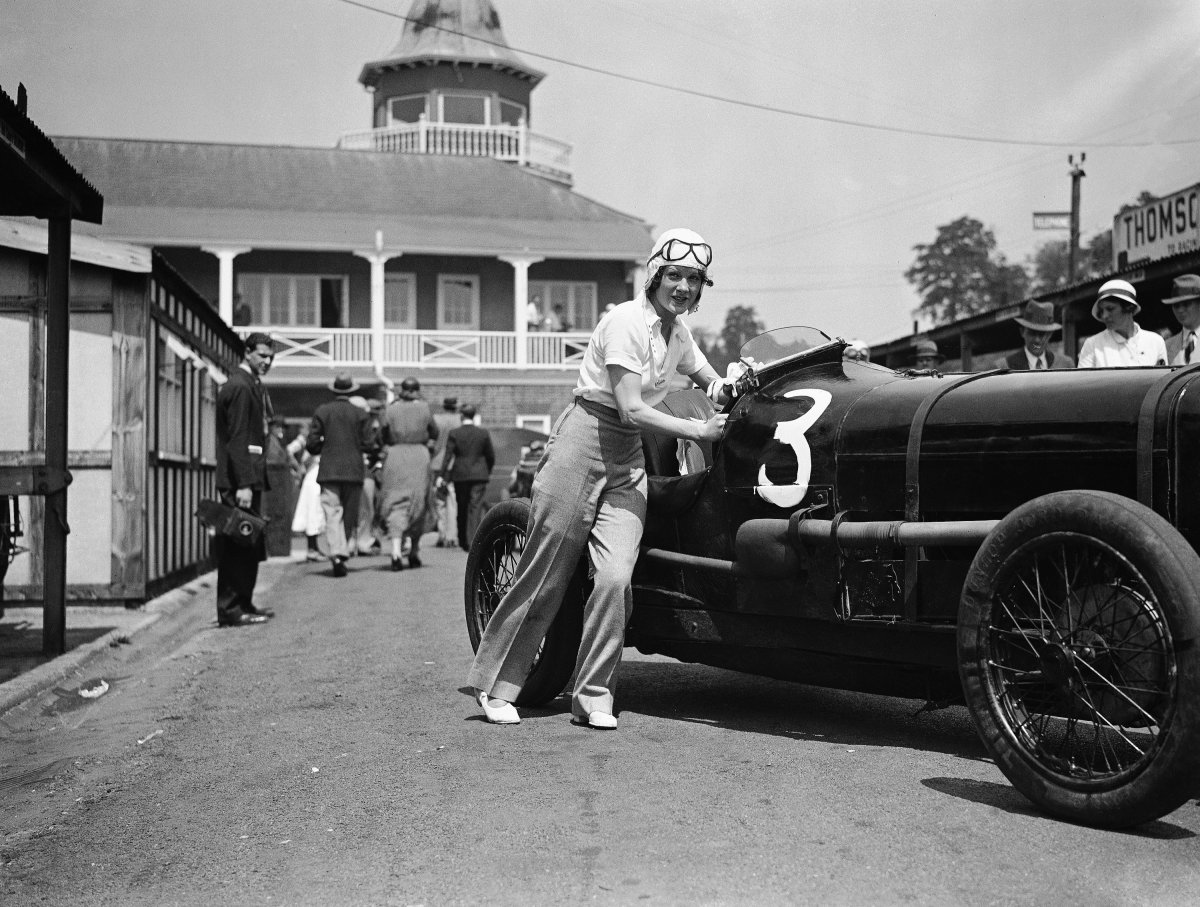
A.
x: 780, y: 345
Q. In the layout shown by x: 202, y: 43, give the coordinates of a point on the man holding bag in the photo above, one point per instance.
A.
x: 243, y: 411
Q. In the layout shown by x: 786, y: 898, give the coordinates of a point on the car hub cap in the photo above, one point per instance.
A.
x: 1080, y: 661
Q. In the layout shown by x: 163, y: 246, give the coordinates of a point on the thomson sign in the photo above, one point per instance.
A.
x: 1165, y: 227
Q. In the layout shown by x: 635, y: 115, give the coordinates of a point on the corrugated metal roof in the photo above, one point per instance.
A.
x: 287, y: 197
x: 451, y: 31
x: 36, y: 179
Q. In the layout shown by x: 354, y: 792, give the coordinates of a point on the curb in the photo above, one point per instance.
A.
x: 33, y: 683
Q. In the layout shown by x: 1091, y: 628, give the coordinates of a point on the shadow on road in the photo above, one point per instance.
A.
x: 1007, y: 798
x: 21, y: 645
x: 761, y: 705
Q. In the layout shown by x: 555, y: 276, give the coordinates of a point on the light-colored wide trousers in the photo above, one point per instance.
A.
x: 589, y: 494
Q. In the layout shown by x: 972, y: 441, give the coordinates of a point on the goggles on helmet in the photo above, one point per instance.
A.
x: 678, y: 249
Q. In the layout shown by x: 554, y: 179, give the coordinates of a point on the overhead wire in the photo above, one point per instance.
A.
x: 973, y: 181
x: 770, y: 108
x: 811, y: 74
x: 990, y: 176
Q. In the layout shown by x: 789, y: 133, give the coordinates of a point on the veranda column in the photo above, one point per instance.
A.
x: 225, y: 256
x: 521, y: 265
x: 378, y: 260
x: 635, y: 273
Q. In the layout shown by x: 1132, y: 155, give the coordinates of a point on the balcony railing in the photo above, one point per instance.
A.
x: 542, y: 154
x: 350, y: 347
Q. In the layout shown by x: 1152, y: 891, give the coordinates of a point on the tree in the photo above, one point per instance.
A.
x: 741, y: 325
x: 960, y: 273
x: 1098, y: 257
x: 1050, y: 265
x: 710, y: 346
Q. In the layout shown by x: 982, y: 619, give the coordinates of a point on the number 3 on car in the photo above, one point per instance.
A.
x: 791, y: 433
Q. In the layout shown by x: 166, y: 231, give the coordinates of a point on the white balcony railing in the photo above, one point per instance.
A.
x: 548, y: 157
x: 351, y: 347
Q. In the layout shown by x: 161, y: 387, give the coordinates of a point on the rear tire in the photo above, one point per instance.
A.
x: 491, y: 565
x: 1078, y: 658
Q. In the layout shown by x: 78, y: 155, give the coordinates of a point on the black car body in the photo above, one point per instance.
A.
x: 1023, y: 542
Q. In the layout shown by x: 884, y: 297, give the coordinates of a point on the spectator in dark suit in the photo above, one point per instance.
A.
x: 1182, y: 349
x: 243, y: 409
x: 341, y: 433
x: 468, y: 465
x: 1037, y: 326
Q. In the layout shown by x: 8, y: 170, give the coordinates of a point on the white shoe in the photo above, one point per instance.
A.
x: 602, y: 721
x: 505, y: 713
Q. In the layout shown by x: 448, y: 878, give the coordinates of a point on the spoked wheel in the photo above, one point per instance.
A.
x: 1076, y: 654
x: 491, y: 567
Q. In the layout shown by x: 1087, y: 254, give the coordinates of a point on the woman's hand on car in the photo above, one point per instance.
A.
x: 710, y: 429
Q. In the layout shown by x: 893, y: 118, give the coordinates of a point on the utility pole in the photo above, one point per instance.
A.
x: 1077, y: 174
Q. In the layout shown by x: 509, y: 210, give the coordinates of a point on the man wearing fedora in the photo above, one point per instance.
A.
x: 1122, y: 344
x: 1036, y: 323
x: 1184, y: 348
x: 341, y: 433
x: 926, y: 355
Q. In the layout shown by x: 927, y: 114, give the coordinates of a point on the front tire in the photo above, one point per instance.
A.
x: 491, y: 566
x: 1078, y: 659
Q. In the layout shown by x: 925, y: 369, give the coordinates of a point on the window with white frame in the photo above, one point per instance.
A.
x: 407, y: 108
x: 577, y: 298
x: 511, y: 113
x: 169, y: 392
x: 208, y: 418
x: 458, y: 302
x: 295, y: 300
x: 400, y: 301
x: 537, y: 423
x: 461, y: 107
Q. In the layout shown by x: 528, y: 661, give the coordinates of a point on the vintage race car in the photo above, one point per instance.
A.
x: 1020, y: 542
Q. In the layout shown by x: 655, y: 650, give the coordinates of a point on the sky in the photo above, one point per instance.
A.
x: 813, y: 144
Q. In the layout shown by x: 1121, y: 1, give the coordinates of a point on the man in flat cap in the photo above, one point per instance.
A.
x: 1037, y: 325
x: 1123, y: 344
x: 1184, y: 348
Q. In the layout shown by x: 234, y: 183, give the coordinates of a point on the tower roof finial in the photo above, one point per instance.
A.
x: 452, y: 31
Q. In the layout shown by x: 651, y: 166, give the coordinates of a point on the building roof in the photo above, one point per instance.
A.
x: 33, y: 236
x: 36, y: 180
x: 451, y: 31
x: 267, y: 196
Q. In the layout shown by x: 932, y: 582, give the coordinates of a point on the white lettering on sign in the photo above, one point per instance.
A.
x: 1166, y: 227
x: 791, y: 433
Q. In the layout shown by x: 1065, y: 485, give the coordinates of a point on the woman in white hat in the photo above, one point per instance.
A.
x: 1123, y: 344
x: 590, y: 492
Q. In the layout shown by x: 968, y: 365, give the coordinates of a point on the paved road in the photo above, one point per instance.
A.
x: 334, y: 756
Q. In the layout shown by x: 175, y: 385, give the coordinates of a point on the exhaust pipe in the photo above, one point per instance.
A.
x: 772, y: 548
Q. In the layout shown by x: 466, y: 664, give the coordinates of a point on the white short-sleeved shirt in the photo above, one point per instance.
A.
x: 629, y: 336
x: 1110, y: 350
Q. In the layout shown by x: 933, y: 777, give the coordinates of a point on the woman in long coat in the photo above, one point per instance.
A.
x: 409, y: 429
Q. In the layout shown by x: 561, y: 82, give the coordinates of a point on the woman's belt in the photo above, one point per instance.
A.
x: 598, y: 409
